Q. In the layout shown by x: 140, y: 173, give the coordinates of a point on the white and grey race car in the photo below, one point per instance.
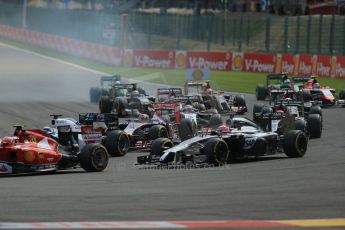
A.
x: 241, y: 139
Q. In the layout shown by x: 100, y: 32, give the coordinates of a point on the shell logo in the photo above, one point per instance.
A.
x: 197, y: 74
x: 180, y: 60
x: 29, y: 156
x: 128, y: 58
x: 238, y: 61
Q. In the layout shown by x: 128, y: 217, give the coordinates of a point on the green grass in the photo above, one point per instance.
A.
x: 225, y: 81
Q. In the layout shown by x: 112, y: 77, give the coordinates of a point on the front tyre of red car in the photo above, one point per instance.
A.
x: 93, y: 158
x: 295, y: 143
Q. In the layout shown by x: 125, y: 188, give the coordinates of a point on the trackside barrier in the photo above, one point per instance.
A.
x: 297, y: 64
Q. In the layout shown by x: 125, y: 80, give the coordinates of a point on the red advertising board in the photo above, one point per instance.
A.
x: 154, y: 59
x: 324, y: 65
x: 209, y: 60
x: 288, y: 63
x: 307, y: 64
x: 340, y: 67
x: 259, y: 63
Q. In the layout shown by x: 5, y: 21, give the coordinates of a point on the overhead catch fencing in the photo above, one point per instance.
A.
x: 242, y: 32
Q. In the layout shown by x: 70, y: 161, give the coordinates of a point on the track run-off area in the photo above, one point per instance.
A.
x: 270, y: 192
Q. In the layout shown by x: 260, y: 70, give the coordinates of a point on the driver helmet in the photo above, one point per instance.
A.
x: 280, y: 111
x: 135, y: 93
x: 117, y: 82
x: 287, y: 81
x: 143, y: 118
x: 209, y: 91
x: 188, y: 109
x: 316, y: 85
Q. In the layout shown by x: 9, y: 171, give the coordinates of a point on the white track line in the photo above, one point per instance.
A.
x: 54, y: 59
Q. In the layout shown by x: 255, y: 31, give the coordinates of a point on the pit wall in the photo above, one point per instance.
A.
x: 296, y: 64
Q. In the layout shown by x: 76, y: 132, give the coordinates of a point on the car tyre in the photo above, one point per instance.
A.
x: 217, y: 151
x: 117, y: 143
x: 159, y: 145
x: 295, y: 143
x: 93, y: 158
x: 314, y: 122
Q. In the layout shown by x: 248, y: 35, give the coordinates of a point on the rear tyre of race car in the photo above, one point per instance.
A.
x: 93, y: 158
x: 239, y: 101
x: 157, y: 131
x: 301, y: 125
x: 120, y: 105
x: 188, y: 128
x: 216, y: 120
x: 295, y: 143
x: 217, y: 151
x: 257, y: 109
x: 117, y: 143
x: 105, y: 104
x: 314, y: 122
x: 316, y: 110
x: 159, y: 145
x: 95, y: 94
x: 342, y: 94
x: 261, y: 92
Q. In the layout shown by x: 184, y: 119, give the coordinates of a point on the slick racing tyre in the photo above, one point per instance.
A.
x: 95, y: 94
x: 239, y: 101
x: 295, y: 143
x: 93, y: 158
x: 188, y: 129
x: 157, y: 131
x: 121, y: 105
x: 261, y: 92
x: 117, y: 143
x: 217, y: 151
x: 342, y: 95
x: 316, y: 110
x: 301, y: 125
x: 159, y: 145
x: 257, y: 109
x: 105, y: 104
x: 314, y: 122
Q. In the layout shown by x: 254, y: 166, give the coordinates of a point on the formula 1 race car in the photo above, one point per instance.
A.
x: 224, y: 103
x: 126, y: 99
x: 34, y: 151
x: 90, y: 128
x: 242, y: 139
x: 307, y: 117
x: 313, y: 91
x: 276, y: 85
x: 107, y: 83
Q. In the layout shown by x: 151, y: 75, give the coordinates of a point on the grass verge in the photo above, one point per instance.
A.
x: 242, y: 82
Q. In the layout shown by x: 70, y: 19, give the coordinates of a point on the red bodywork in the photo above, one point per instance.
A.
x: 324, y: 92
x: 33, y: 148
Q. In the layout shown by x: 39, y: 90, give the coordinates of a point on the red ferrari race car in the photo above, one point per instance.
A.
x: 34, y: 151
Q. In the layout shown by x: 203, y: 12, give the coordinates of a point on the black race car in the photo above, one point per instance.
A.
x: 241, y: 139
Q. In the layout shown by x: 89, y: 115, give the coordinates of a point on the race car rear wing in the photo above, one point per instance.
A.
x: 301, y: 79
x: 111, y: 79
x: 169, y: 92
x: 110, y: 120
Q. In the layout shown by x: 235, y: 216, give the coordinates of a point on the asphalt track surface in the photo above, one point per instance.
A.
x: 270, y: 188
